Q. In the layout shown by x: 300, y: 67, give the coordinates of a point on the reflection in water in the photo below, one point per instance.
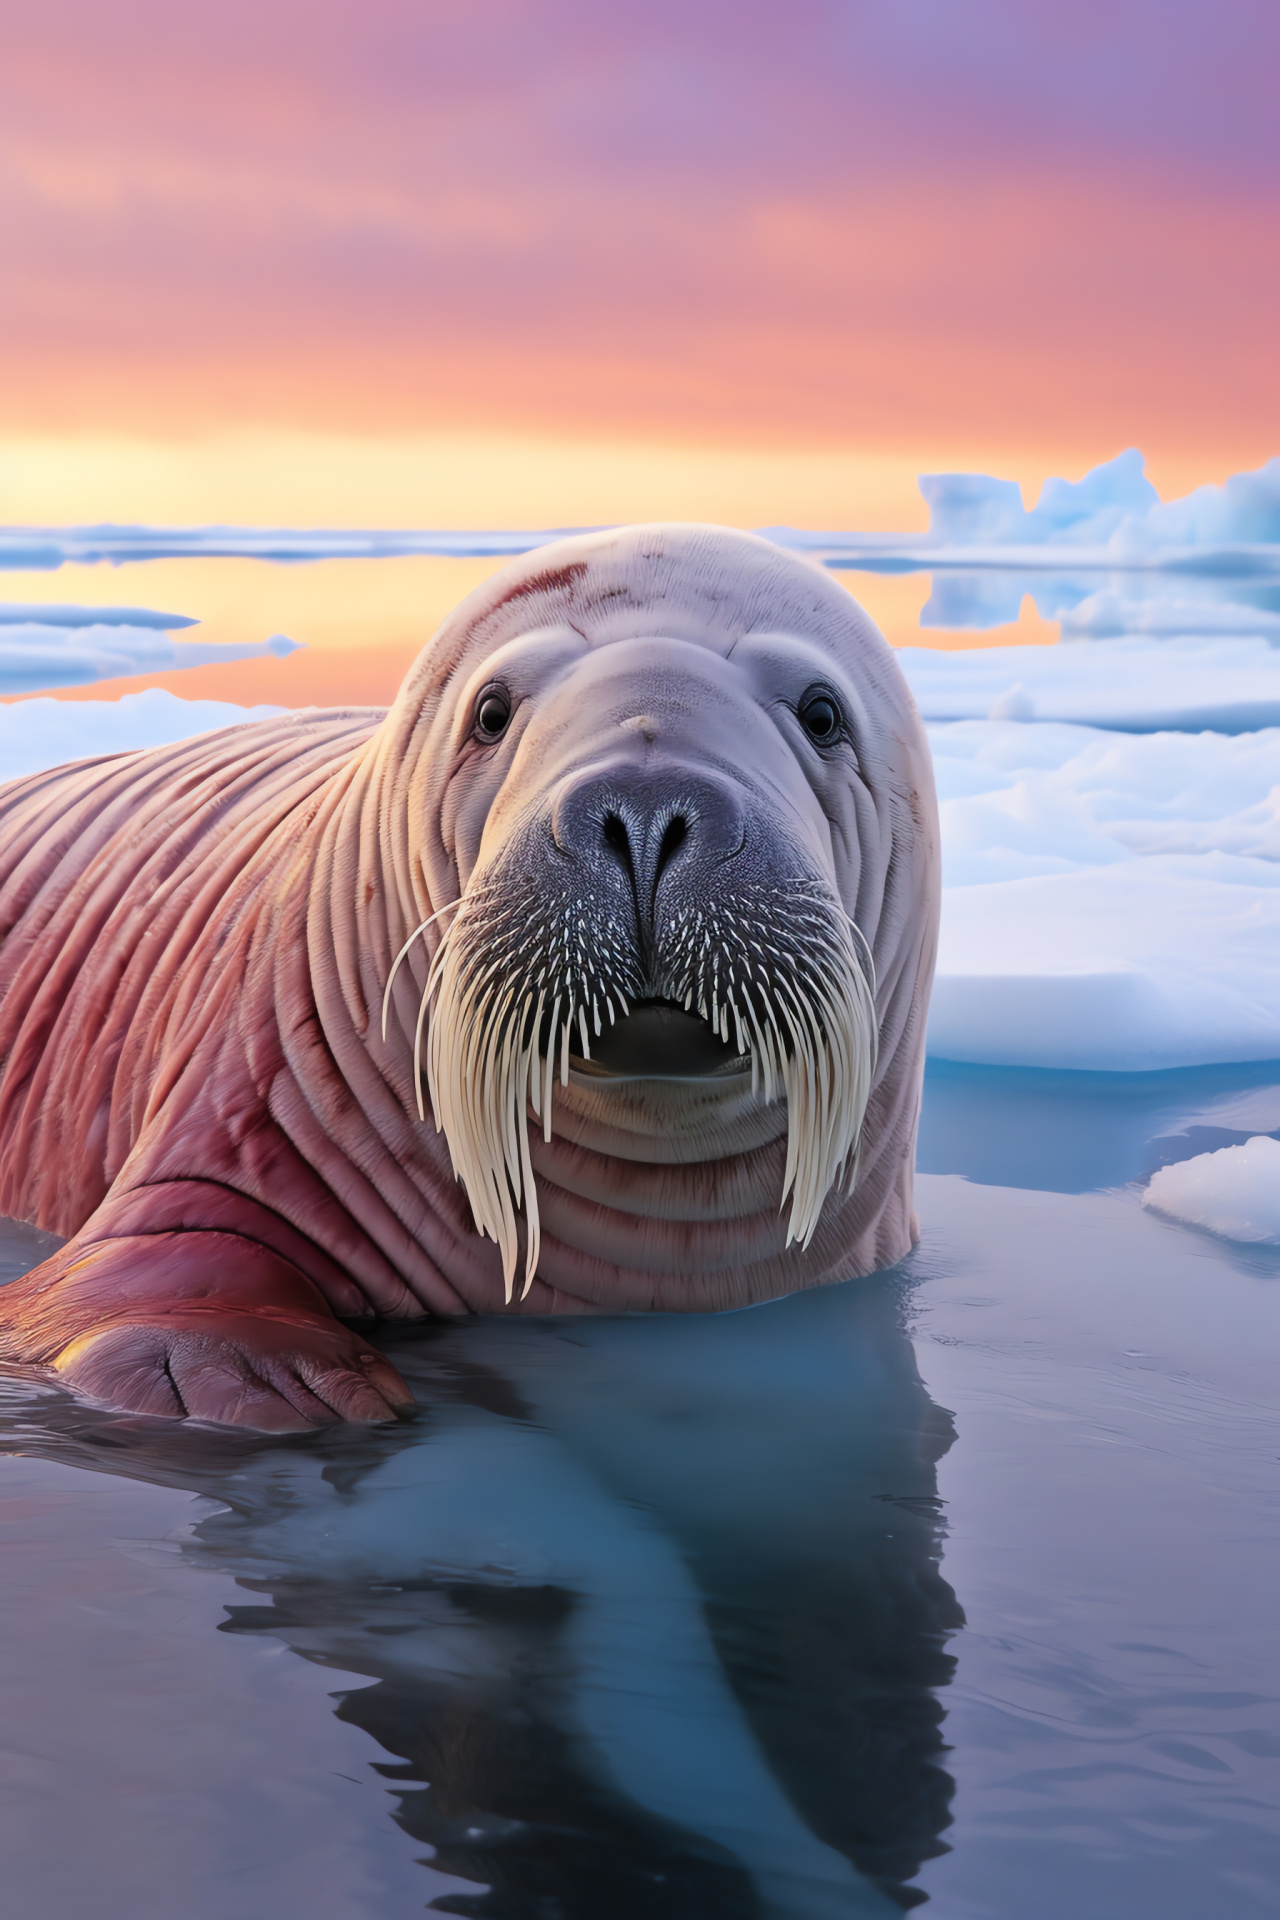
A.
x: 1097, y: 605
x: 653, y: 1608
x: 1091, y: 603
x: 1056, y: 1132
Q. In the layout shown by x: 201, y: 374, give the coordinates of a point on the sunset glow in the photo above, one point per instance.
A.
x: 572, y: 264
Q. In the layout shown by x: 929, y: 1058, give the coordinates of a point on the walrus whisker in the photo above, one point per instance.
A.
x: 801, y: 1009
x: 550, y: 1070
x: 417, y: 1049
x: 395, y: 964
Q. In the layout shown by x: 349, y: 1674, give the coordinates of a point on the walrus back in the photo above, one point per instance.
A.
x: 111, y: 872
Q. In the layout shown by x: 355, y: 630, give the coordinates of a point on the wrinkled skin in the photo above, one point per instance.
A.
x: 196, y: 942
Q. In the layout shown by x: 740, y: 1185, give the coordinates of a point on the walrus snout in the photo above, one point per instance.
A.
x: 665, y: 825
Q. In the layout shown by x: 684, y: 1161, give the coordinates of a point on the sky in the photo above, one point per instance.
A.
x: 549, y: 262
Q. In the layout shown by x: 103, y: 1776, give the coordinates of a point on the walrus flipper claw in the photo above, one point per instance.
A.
x: 199, y: 1326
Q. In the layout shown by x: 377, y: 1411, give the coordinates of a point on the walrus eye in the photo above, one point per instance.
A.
x: 821, y: 719
x: 493, y: 711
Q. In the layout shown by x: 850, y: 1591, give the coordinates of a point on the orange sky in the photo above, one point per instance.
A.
x: 632, y: 256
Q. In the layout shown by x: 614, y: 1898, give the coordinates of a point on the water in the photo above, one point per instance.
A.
x: 953, y: 1585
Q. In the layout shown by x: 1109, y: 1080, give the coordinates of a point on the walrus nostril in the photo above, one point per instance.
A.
x: 618, y: 842
x: 633, y: 850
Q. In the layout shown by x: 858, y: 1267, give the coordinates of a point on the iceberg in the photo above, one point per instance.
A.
x: 973, y: 509
x: 1244, y: 511
x: 1114, y: 507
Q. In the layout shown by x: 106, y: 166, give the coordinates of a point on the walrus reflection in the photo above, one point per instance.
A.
x: 652, y: 1608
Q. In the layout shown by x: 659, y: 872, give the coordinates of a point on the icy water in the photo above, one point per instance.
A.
x: 955, y: 1585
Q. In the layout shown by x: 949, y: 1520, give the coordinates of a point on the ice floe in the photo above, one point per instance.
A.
x: 1234, y: 1192
x: 68, y: 646
x: 1111, y: 902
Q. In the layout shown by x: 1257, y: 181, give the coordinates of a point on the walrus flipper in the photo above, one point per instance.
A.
x: 197, y: 1325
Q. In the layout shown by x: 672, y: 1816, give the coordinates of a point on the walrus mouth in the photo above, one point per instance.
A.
x: 658, y: 1040
x: 530, y: 983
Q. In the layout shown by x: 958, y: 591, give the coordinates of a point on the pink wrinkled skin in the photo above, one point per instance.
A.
x: 195, y: 944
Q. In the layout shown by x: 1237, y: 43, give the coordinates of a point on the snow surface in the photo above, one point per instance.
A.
x: 1234, y: 1192
x: 35, y: 734
x: 1137, y: 684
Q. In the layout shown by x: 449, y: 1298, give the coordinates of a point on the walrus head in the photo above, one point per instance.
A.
x: 648, y: 774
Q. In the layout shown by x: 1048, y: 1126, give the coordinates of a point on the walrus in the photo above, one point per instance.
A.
x: 590, y: 977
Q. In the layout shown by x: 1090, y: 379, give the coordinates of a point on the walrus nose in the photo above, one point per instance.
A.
x: 652, y: 826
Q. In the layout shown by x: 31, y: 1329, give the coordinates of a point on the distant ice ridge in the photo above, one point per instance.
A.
x: 1112, y: 516
x: 48, y: 547
x: 70, y: 646
x: 1234, y: 1192
x: 1111, y: 902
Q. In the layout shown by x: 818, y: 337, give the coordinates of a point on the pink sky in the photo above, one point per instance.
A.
x: 1022, y: 226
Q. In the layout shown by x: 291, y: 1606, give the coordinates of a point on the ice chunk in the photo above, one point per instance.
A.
x: 1016, y: 704
x: 1234, y: 1192
x: 1130, y: 967
x: 1111, y: 902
